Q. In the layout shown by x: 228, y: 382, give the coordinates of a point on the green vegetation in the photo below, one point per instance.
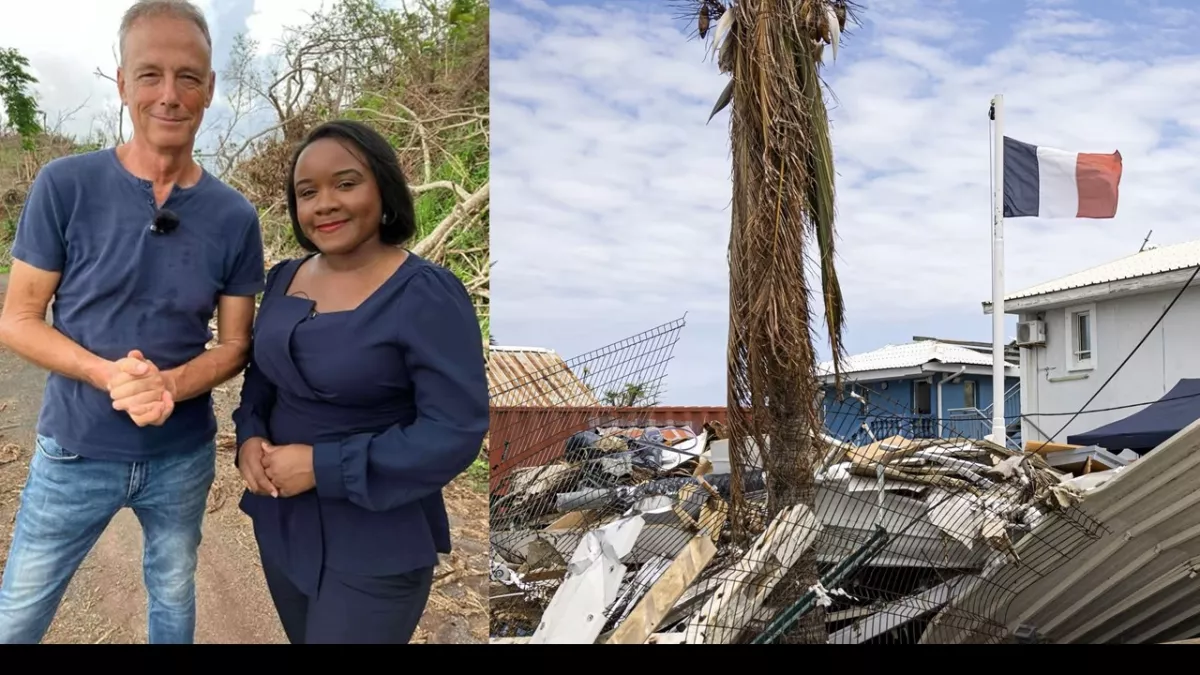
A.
x: 631, y: 395
x: 478, y: 473
x: 20, y: 109
x: 18, y: 166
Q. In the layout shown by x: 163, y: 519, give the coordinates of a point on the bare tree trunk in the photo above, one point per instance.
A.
x: 792, y: 481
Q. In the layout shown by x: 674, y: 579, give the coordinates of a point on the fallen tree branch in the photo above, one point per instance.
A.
x: 440, y: 185
x: 460, y: 214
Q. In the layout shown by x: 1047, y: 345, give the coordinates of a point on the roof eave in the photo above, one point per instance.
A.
x: 874, y: 375
x: 970, y: 368
x: 1148, y: 283
x: 886, y: 374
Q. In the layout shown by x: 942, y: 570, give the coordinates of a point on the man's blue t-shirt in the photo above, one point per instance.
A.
x: 124, y: 287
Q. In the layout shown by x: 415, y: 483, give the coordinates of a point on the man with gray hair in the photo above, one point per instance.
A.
x: 138, y: 246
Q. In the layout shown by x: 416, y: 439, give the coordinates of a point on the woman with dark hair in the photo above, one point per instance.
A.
x: 365, y: 395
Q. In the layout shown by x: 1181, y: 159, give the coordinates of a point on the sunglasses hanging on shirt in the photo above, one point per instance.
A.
x: 165, y: 222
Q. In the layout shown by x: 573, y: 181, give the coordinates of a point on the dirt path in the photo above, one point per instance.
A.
x: 106, y: 602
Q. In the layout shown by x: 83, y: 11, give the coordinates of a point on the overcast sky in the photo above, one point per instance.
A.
x: 610, y: 209
x: 82, y: 36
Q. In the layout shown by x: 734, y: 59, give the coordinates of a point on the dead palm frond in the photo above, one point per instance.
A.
x: 779, y: 47
x: 783, y: 200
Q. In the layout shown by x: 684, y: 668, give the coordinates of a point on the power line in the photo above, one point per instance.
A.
x: 1057, y: 414
x: 1136, y: 347
x: 1115, y: 407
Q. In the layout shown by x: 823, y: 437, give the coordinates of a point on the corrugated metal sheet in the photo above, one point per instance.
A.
x: 530, y: 436
x: 533, y: 376
x: 910, y: 355
x: 1155, y: 261
x: 1130, y: 580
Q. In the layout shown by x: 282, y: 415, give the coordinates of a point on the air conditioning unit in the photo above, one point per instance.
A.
x: 1031, y: 333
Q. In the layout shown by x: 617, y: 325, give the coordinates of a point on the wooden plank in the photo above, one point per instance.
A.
x: 685, y: 493
x: 544, y: 575
x: 1045, y: 448
x: 747, y: 584
x: 662, y: 596
x: 575, y: 520
x: 1083, y: 467
x: 712, y: 517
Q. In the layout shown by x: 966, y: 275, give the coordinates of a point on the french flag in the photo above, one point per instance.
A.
x: 1049, y: 183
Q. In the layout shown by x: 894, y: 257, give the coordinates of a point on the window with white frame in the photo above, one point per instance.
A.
x: 1081, y: 337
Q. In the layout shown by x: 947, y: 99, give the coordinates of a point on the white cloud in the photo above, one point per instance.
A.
x: 609, y: 190
x: 611, y: 199
x: 270, y: 17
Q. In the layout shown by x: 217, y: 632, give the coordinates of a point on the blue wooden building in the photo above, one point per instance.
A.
x: 927, y: 388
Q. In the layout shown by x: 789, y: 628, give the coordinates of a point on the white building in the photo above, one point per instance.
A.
x: 1076, y: 330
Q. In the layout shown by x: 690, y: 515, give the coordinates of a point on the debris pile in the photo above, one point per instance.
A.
x: 630, y: 538
x: 1136, y: 581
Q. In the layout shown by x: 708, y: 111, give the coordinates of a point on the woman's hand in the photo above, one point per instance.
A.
x: 250, y: 463
x: 289, y: 468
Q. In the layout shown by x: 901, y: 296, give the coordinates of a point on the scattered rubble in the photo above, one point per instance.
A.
x: 1136, y: 581
x: 629, y: 538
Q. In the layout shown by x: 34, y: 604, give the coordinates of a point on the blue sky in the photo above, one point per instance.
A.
x: 610, y: 207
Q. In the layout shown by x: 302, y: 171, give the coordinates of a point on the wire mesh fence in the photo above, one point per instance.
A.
x: 638, y: 531
x: 616, y: 382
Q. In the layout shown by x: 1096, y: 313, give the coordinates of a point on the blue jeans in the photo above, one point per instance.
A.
x: 67, y: 502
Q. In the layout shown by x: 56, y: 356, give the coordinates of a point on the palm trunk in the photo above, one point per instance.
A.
x: 782, y: 199
x: 792, y: 466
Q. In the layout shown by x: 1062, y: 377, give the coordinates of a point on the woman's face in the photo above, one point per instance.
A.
x: 337, y: 200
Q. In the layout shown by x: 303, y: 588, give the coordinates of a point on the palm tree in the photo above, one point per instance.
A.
x: 783, y: 200
x: 630, y: 395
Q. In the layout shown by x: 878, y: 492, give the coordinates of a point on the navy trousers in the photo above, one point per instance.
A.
x: 351, y: 609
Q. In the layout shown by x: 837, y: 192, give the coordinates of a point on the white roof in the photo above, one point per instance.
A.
x: 909, y: 355
x: 1154, y: 261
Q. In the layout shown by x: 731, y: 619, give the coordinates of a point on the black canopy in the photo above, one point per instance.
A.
x: 1145, y: 429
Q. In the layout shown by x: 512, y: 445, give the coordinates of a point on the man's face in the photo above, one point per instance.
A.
x: 166, y: 80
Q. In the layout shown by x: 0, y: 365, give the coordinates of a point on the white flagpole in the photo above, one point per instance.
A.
x: 999, y: 434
